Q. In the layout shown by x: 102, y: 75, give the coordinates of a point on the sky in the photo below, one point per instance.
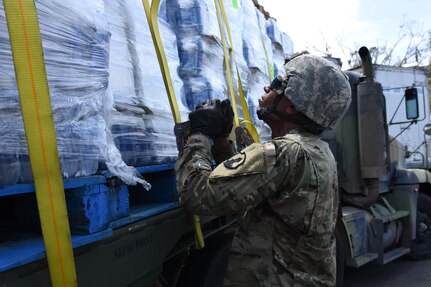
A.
x: 350, y: 24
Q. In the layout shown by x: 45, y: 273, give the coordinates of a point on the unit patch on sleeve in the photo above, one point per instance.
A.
x: 251, y: 160
x: 236, y: 161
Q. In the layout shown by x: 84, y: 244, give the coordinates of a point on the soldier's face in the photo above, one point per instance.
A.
x: 284, y: 107
x: 267, y: 99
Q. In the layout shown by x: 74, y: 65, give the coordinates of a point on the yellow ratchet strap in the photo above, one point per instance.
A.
x: 152, y: 17
x: 246, y: 112
x: 26, y: 44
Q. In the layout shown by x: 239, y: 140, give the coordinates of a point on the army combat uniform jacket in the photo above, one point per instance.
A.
x: 285, y: 193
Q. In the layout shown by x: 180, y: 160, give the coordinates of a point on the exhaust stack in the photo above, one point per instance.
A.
x: 371, y: 134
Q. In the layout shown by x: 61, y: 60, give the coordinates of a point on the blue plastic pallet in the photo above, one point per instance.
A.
x: 96, y: 206
x: 17, y: 253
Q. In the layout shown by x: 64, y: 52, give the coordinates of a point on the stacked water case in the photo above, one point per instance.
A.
x: 238, y: 65
x: 258, y: 55
x: 287, y: 45
x: 141, y: 122
x: 158, y: 120
x: 109, y: 102
x: 10, y: 115
x: 75, y: 41
x: 200, y: 50
x: 275, y: 35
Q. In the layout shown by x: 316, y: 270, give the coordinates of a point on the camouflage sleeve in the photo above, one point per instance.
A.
x: 236, y: 185
x: 221, y: 153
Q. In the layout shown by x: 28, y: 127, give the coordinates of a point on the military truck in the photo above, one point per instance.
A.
x: 124, y: 235
x: 385, y: 209
x: 121, y: 234
x: 408, y: 132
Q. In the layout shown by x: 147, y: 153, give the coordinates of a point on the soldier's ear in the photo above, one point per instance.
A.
x: 288, y: 107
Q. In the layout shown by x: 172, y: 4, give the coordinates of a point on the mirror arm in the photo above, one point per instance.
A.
x: 410, y: 123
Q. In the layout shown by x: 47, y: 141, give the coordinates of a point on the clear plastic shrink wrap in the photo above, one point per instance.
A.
x: 275, y: 35
x: 255, y: 54
x: 141, y: 122
x: 266, y: 42
x: 200, y: 50
x: 10, y: 115
x: 235, y: 14
x: 160, y: 120
x: 75, y: 39
x: 287, y: 45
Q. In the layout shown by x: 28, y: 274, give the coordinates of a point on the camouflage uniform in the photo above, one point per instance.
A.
x: 285, y: 192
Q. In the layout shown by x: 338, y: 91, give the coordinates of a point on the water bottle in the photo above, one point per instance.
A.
x: 9, y: 169
x: 70, y: 158
x: 87, y: 150
x: 26, y: 175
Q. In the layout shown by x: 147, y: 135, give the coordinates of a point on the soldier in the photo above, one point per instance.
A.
x: 285, y: 190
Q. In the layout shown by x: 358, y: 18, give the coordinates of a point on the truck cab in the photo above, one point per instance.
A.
x: 385, y: 209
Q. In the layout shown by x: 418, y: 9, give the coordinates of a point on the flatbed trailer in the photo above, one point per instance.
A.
x: 131, y: 232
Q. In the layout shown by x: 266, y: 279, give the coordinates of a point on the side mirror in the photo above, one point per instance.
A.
x: 427, y: 129
x: 412, y: 106
x: 408, y: 153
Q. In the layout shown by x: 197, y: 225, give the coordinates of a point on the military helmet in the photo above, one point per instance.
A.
x: 317, y: 88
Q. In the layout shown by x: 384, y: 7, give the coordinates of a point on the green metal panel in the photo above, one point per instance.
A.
x: 133, y: 254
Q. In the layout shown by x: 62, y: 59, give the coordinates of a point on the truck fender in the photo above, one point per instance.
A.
x: 412, y: 176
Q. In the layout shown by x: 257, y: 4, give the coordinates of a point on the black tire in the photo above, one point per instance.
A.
x: 341, y: 257
x: 207, y: 267
x: 421, y: 246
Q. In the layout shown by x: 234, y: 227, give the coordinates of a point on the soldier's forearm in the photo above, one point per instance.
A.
x: 192, y: 170
x: 222, y: 149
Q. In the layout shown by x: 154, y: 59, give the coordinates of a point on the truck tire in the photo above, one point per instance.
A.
x: 421, y: 246
x: 340, y: 257
x: 207, y: 267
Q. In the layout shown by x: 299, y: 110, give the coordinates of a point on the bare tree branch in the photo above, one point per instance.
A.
x: 412, y: 46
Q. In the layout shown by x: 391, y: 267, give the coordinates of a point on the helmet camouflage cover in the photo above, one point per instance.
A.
x: 317, y: 88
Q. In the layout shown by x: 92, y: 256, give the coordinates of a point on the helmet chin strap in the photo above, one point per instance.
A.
x: 262, y: 112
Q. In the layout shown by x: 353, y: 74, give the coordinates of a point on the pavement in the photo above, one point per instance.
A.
x: 402, y: 272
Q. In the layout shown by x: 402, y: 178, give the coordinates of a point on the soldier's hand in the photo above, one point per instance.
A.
x: 227, y: 113
x: 212, y: 118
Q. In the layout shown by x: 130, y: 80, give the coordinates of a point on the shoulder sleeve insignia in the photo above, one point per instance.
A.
x: 235, y: 162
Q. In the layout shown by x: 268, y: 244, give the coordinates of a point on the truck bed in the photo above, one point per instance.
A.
x: 97, y: 206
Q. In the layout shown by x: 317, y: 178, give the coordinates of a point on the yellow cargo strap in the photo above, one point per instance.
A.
x: 152, y: 14
x: 152, y: 17
x: 268, y: 64
x: 227, y: 66
x: 246, y: 112
x: 24, y: 33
